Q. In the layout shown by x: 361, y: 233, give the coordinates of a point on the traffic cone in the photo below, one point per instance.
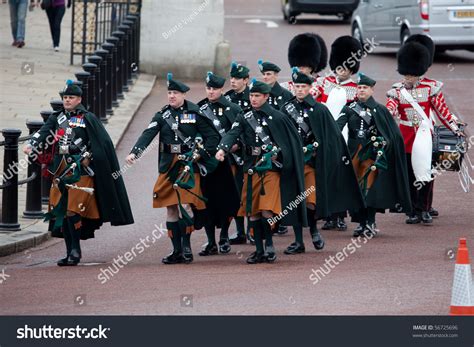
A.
x: 462, y: 298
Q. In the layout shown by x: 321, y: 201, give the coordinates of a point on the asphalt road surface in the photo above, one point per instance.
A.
x: 405, y: 270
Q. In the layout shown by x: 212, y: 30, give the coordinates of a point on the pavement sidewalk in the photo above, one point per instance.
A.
x: 30, y: 78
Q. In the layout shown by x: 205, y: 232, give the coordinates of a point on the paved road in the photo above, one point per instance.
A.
x: 404, y: 270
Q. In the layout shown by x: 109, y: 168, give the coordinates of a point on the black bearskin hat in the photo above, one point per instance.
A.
x: 413, y: 59
x: 346, y: 52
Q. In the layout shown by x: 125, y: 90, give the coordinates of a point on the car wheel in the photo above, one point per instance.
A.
x: 404, y: 35
x: 357, y: 33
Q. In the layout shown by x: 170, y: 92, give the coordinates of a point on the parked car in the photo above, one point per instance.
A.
x: 341, y: 8
x: 450, y: 23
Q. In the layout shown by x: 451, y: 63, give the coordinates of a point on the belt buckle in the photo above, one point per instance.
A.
x: 361, y: 134
x: 256, y: 150
x: 175, y: 149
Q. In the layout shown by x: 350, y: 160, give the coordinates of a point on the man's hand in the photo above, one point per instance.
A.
x: 234, y: 148
x: 27, y: 149
x: 220, y: 155
x: 130, y: 159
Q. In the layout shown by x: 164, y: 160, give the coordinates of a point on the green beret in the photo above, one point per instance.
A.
x: 267, y: 66
x: 365, y: 80
x: 214, y: 81
x: 239, y: 71
x: 176, y: 85
x: 259, y: 87
x: 298, y: 77
x: 71, y: 89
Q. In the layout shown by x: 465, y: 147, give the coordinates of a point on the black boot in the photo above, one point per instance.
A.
x: 329, y: 225
x: 269, y: 248
x: 316, y: 237
x: 426, y: 217
x: 282, y: 229
x: 297, y: 246
x: 174, y: 233
x: 413, y: 218
x: 433, y: 212
x: 255, y: 228
x: 224, y: 243
x: 341, y: 224
x: 239, y: 238
x: 75, y: 254
x: 209, y: 250
x: 67, y: 240
x: 358, y: 231
x: 186, y: 242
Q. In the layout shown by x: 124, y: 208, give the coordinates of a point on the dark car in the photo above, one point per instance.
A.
x: 341, y: 8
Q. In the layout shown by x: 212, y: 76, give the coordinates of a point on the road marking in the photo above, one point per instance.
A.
x: 249, y: 16
x: 269, y: 23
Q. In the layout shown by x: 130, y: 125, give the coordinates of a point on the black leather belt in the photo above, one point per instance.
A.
x: 173, y: 148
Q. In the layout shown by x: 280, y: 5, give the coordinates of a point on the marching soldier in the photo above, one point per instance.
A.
x: 309, y: 54
x: 377, y: 150
x: 273, y: 170
x: 219, y: 187
x: 328, y: 175
x: 187, y: 144
x: 412, y: 101
x: 338, y: 90
x: 239, y: 79
x: 278, y: 94
x: 426, y: 41
x: 239, y: 95
x: 85, y: 193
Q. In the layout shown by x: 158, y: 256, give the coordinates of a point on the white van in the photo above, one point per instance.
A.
x: 450, y: 23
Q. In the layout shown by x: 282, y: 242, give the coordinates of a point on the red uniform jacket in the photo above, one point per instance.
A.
x: 326, y: 84
x: 427, y: 93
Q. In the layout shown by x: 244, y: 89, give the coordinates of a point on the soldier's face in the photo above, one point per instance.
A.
x: 364, y: 92
x: 302, y: 90
x: 70, y: 102
x: 342, y: 73
x: 409, y: 80
x: 270, y: 77
x: 213, y: 94
x: 258, y: 99
x: 175, y: 98
x: 238, y: 84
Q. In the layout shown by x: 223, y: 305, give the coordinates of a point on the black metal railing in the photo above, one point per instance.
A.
x: 93, y: 21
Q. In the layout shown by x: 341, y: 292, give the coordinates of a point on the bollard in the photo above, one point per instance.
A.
x: 45, y: 181
x: 133, y: 44
x: 90, y: 68
x: 126, y: 52
x: 130, y: 60
x: 115, y: 69
x: 99, y: 100
x: 103, y: 83
x: 10, y: 181
x: 33, y: 208
x: 56, y: 104
x: 109, y: 47
x: 120, y: 63
x: 83, y: 77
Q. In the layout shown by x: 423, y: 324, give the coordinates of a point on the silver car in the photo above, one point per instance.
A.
x: 450, y: 23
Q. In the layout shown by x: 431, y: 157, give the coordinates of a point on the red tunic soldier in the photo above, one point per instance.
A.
x: 413, y: 101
